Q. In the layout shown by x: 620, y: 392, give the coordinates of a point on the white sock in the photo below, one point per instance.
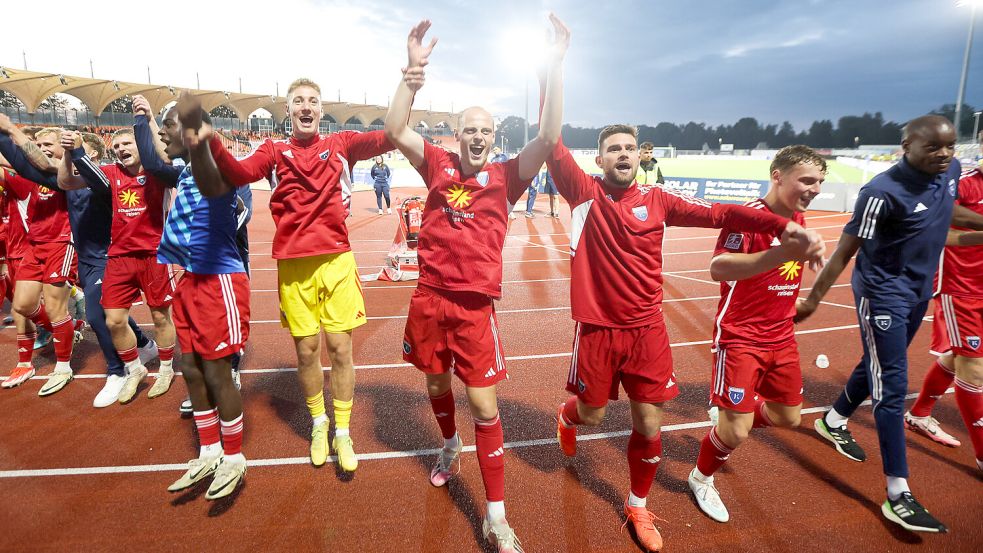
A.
x: 896, y: 486
x: 835, y: 420
x: 496, y: 511
x: 320, y: 418
x: 63, y: 366
x: 22, y: 365
x: 132, y: 365
x: 210, y: 450
x: 237, y: 458
x: 167, y: 366
x: 702, y: 477
x: 635, y: 501
x: 453, y: 443
x: 338, y: 432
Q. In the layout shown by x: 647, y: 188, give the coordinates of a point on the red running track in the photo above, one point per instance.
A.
x: 74, y: 478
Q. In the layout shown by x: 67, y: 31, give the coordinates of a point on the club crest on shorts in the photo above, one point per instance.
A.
x: 883, y: 322
x: 406, y: 347
x: 641, y: 213
x: 482, y: 178
x: 736, y: 395
x: 141, y: 180
x: 973, y: 342
x: 734, y: 241
x: 324, y: 155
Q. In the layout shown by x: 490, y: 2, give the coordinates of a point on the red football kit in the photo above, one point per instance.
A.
x: 312, y: 189
x: 451, y: 322
x: 958, y: 323
x: 50, y: 257
x: 140, y: 203
x: 755, y: 352
x: 616, y: 278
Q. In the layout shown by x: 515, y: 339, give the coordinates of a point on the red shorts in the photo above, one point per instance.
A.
x: 741, y: 375
x: 637, y: 358
x: 958, y: 325
x: 456, y: 332
x: 49, y: 263
x: 13, y: 268
x: 127, y: 275
x: 211, y: 314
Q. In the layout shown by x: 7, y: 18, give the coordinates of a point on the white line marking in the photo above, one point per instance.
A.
x: 377, y: 456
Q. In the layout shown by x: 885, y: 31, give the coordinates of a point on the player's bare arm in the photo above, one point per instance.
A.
x: 196, y: 135
x: 534, y: 154
x: 739, y: 266
x: 964, y: 238
x: 397, y: 129
x: 24, y: 142
x: 964, y: 217
x: 142, y: 107
x: 68, y: 179
x: 845, y: 250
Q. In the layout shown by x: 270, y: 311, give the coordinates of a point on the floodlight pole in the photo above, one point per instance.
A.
x: 526, y: 141
x: 962, y: 79
x: 976, y: 124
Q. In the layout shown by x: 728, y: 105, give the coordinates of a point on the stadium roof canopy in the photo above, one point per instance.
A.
x: 32, y: 88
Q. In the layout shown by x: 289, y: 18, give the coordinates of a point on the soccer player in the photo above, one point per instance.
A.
x: 616, y: 296
x: 318, y: 281
x: 16, y: 249
x: 50, y: 265
x: 211, y: 302
x: 139, y: 203
x: 451, y: 327
x: 899, y: 226
x: 956, y: 332
x: 757, y: 380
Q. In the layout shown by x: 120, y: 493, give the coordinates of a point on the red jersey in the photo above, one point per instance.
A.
x: 616, y: 241
x: 140, y: 204
x: 464, y: 222
x: 757, y: 312
x: 961, y: 269
x: 47, y: 210
x: 14, y: 215
x: 312, y: 188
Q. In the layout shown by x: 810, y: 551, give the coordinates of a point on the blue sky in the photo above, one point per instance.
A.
x: 629, y: 61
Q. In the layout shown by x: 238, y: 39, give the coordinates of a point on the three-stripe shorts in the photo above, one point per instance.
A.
x: 211, y: 314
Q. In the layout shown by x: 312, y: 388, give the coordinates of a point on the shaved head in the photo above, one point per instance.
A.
x: 471, y: 112
x: 926, y: 125
x: 475, y: 134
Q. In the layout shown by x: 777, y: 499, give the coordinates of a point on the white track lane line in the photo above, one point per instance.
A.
x: 378, y: 456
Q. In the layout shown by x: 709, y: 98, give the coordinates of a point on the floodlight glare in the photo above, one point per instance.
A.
x: 971, y: 3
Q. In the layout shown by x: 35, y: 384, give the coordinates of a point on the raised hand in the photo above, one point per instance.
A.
x: 417, y: 54
x: 6, y: 125
x: 561, y: 40
x: 71, y: 140
x: 803, y: 309
x: 141, y: 106
x: 189, y: 114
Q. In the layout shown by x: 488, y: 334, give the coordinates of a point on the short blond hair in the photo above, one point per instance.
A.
x: 47, y: 130
x: 95, y: 143
x: 121, y: 132
x: 790, y: 156
x: 303, y: 81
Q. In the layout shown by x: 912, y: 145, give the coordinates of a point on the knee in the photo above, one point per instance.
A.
x: 732, y: 434
x: 161, y: 318
x: 787, y: 418
x: 192, y: 374
x: 438, y: 387
x: 484, y: 411
x: 970, y: 370
x: 215, y: 379
x: 591, y: 416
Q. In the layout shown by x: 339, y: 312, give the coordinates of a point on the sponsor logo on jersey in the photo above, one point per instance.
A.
x: 641, y: 213
x: 734, y: 241
x: 324, y: 155
x: 141, y: 180
x: 973, y: 342
x: 129, y: 198
x: 952, y: 187
x: 482, y: 178
x: 406, y: 347
x: 736, y: 395
x: 883, y: 322
x: 449, y: 171
x: 458, y: 197
x: 790, y: 270
x: 288, y: 153
x: 920, y: 207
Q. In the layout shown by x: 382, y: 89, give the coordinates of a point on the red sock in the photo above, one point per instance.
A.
x: 644, y: 455
x: 761, y: 419
x: 128, y: 355
x: 969, y: 398
x: 713, y: 453
x: 443, y: 409
x: 165, y: 353
x: 25, y: 347
x: 937, y: 381
x: 570, y: 415
x: 231, y: 435
x: 488, y: 442
x: 64, y: 338
x: 40, y: 318
x: 208, y: 427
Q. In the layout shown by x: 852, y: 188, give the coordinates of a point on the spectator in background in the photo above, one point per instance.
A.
x: 545, y: 184
x: 648, y: 168
x: 533, y: 191
x: 382, y: 177
x: 498, y: 156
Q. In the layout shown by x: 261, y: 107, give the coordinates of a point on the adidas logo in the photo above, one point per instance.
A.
x: 440, y: 415
x: 920, y: 207
x: 490, y: 373
x: 652, y: 460
x: 221, y: 346
x: 359, y: 315
x: 901, y: 510
x: 775, y: 242
x: 497, y: 453
x: 670, y: 384
x: 53, y: 275
x: 288, y: 153
x: 724, y: 458
x: 21, y: 350
x: 98, y: 282
x: 979, y: 422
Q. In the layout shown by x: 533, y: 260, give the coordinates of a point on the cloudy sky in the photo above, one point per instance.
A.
x: 630, y: 60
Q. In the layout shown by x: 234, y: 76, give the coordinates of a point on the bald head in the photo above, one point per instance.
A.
x: 476, y: 137
x: 927, y: 125
x: 472, y: 113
